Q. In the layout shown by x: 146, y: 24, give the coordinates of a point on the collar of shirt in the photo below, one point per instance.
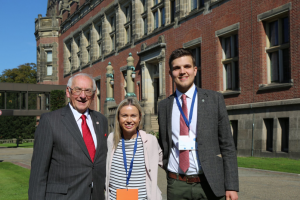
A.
x: 189, y: 93
x: 77, y: 114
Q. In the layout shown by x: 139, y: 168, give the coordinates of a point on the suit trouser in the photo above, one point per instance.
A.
x: 180, y: 190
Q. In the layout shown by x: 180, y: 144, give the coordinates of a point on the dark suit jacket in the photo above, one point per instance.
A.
x: 61, y: 167
x: 216, y: 148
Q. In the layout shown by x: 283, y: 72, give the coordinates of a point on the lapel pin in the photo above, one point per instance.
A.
x: 202, y: 100
x: 105, y: 134
x: 97, y: 122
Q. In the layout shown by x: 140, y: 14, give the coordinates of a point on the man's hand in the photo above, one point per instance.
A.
x: 231, y: 195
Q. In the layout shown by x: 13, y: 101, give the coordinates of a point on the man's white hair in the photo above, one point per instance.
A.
x: 70, y: 81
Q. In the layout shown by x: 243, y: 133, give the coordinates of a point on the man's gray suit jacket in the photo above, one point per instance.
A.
x: 61, y: 167
x: 216, y: 148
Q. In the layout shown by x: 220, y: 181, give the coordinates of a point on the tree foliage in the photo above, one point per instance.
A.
x: 25, y: 73
x: 15, y: 126
x: 57, y: 99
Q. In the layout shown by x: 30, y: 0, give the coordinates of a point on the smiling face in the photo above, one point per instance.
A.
x: 129, y: 120
x: 80, y: 102
x: 183, y: 73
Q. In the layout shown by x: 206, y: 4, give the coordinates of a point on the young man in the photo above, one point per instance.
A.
x: 194, y: 133
x: 69, y: 156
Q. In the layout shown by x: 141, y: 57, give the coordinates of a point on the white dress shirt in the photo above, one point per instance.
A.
x: 173, y: 166
x: 89, y: 122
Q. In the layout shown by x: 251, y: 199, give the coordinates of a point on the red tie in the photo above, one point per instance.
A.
x: 184, y: 160
x: 87, y: 137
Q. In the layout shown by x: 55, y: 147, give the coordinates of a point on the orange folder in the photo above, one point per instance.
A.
x: 127, y: 194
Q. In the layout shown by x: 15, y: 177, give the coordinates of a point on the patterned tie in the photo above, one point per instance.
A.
x: 87, y: 137
x: 184, y: 160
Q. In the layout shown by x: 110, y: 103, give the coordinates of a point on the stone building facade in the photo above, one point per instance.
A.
x: 246, y: 50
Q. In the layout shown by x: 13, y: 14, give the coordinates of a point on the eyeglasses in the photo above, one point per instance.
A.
x: 77, y: 91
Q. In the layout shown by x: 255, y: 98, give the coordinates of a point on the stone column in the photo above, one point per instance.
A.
x: 109, y: 87
x: 74, y: 59
x: 83, y: 50
x: 119, y: 28
x: 43, y: 102
x: 42, y: 63
x: 109, y: 101
x: 130, y: 82
x: 105, y: 36
x: 93, y: 43
x: 150, y: 21
x: 66, y: 60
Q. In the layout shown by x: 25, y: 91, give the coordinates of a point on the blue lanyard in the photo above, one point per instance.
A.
x: 187, y: 122
x: 124, y: 157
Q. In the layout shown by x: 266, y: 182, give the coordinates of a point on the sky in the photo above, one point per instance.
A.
x: 18, y: 44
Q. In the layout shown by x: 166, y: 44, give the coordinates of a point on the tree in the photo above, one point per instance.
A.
x: 57, y: 99
x: 18, y: 127
x: 25, y: 73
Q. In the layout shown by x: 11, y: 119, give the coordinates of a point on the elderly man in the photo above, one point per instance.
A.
x: 69, y: 156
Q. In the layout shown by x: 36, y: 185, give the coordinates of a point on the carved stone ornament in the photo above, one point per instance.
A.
x: 144, y: 46
x: 161, y: 39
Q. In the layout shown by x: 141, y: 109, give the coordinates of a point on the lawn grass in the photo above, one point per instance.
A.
x: 12, y: 145
x: 14, y: 182
x: 273, y: 164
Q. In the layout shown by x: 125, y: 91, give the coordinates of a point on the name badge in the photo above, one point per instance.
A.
x: 127, y: 194
x: 187, y: 142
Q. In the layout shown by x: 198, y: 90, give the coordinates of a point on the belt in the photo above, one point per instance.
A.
x: 187, y: 178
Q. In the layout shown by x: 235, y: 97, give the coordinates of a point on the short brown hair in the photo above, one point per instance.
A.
x: 180, y: 53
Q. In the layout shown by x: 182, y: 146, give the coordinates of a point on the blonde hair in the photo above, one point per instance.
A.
x: 117, y: 129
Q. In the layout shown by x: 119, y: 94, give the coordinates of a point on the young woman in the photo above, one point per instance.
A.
x: 139, y: 151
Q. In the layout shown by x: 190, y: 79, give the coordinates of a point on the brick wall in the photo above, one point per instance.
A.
x: 252, y: 55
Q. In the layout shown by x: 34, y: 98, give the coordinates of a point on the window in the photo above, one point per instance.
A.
x: 201, y: 3
x: 193, y: 4
x: 145, y: 26
x: 230, y: 62
x: 155, y: 2
x: 127, y: 35
x: 284, y: 129
x: 162, y: 16
x: 112, y: 34
x: 127, y: 13
x: 77, y: 41
x: 197, y: 55
x: 49, y: 70
x: 155, y: 14
x: 127, y: 24
x: 100, y: 49
x: 173, y: 9
x: 89, y: 55
x: 144, y: 2
x: 99, y: 30
x: 87, y: 44
x: 49, y: 56
x: 112, y: 23
x: 113, y: 42
x: 268, y: 129
x: 278, y: 49
x: 88, y: 38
